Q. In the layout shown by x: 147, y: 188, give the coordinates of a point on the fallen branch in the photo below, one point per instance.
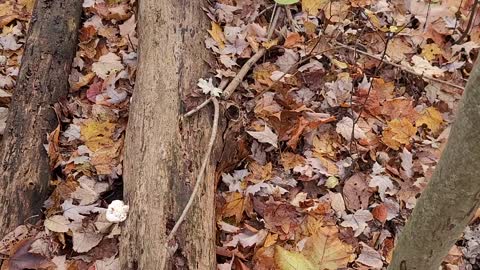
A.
x: 399, y: 66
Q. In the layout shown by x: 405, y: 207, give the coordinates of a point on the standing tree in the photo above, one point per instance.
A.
x: 163, y: 155
x: 453, y: 193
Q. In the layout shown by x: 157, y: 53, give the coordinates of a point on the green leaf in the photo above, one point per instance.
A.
x: 286, y: 2
x: 287, y: 260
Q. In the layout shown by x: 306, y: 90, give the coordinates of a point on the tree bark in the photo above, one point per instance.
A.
x: 42, y: 80
x: 162, y: 154
x: 452, y: 195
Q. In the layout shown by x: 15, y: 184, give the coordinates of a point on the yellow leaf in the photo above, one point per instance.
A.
x: 339, y: 64
x: 430, y: 51
x: 331, y: 182
x: 291, y: 160
x: 321, y: 251
x: 28, y: 4
x: 432, y: 118
x: 235, y: 205
x: 398, y: 132
x: 329, y: 165
x: 97, y: 134
x: 313, y: 6
x: 310, y: 28
x: 217, y: 35
x: 270, y: 43
x: 270, y: 240
x: 288, y: 260
x: 324, y: 145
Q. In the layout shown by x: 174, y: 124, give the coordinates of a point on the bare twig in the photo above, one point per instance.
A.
x: 198, y: 108
x: 400, y: 67
x: 291, y: 19
x: 246, y: 67
x: 200, y: 176
x: 470, y: 22
x: 428, y: 13
x: 241, y: 74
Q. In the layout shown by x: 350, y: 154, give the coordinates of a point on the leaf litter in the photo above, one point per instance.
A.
x: 340, y: 145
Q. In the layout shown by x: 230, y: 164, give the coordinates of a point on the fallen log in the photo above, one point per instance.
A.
x: 42, y: 81
x: 162, y: 154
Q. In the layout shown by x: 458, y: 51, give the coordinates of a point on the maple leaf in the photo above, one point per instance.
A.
x: 208, y: 87
x: 432, y: 118
x: 291, y: 160
x: 107, y: 64
x: 313, y: 6
x: 235, y: 205
x: 217, y: 35
x: 345, y: 126
x: 422, y: 67
x: 398, y: 132
x: 97, y: 134
x: 321, y: 251
x: 384, y: 184
x: 265, y: 136
x: 357, y: 221
x: 397, y: 49
x: 430, y: 51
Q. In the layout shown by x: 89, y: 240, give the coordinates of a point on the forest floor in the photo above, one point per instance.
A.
x: 341, y: 123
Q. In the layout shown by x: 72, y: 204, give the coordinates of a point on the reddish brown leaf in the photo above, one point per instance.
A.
x: 380, y: 213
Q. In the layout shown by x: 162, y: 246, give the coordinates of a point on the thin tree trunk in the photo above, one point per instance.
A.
x: 42, y: 80
x: 453, y: 194
x: 163, y: 154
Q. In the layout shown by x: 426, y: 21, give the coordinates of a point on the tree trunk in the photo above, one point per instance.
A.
x: 42, y: 80
x: 162, y: 154
x: 453, y: 194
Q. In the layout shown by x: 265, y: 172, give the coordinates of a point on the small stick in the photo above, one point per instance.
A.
x: 198, y: 108
x: 291, y: 19
x: 241, y: 74
x: 470, y: 22
x: 246, y: 67
x: 400, y: 67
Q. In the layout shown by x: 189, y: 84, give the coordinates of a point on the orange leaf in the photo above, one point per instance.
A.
x: 380, y: 213
x: 398, y: 132
x: 235, y: 206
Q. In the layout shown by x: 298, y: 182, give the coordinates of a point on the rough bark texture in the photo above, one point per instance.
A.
x: 452, y: 196
x: 42, y: 80
x: 163, y: 154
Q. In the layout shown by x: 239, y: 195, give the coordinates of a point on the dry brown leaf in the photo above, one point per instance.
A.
x: 398, y: 132
x: 432, y: 118
x: 356, y: 193
x: 235, y: 205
